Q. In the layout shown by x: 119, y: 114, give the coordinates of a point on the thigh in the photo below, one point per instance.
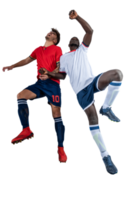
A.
x: 26, y: 94
x: 36, y: 89
x: 55, y: 111
x: 92, y: 115
x: 105, y: 79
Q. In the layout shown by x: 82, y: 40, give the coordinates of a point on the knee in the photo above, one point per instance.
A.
x: 56, y: 114
x: 118, y: 74
x: 92, y: 116
x: 18, y: 95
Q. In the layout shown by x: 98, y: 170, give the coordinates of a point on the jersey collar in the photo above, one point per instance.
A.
x: 72, y: 51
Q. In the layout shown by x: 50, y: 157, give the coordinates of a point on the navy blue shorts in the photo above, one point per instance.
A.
x: 47, y: 88
x: 86, y: 96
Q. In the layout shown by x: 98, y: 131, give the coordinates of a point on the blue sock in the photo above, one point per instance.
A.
x: 23, y: 112
x: 60, y: 129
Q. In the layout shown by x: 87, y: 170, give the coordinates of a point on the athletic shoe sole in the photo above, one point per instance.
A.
x: 20, y: 142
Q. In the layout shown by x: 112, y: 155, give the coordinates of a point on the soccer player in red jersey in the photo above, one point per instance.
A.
x: 48, y: 57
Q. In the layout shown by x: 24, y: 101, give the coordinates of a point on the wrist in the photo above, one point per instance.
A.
x: 11, y: 66
x: 78, y: 17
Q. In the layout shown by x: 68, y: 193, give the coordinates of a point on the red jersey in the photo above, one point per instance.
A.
x: 47, y: 57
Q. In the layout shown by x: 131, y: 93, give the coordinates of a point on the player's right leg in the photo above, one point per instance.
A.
x: 25, y: 94
x: 112, y: 79
x: 23, y: 112
x: 95, y: 131
x: 60, y: 130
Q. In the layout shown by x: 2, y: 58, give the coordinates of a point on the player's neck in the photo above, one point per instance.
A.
x: 48, y: 43
x: 73, y: 48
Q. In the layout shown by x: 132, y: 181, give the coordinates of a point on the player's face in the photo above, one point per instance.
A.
x: 51, y: 36
x: 73, y: 43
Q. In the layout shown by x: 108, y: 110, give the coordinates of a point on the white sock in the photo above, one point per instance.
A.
x: 113, y: 90
x: 95, y: 131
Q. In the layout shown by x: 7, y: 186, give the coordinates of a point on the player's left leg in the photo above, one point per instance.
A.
x: 97, y: 136
x: 112, y: 79
x: 60, y: 129
x: 55, y: 111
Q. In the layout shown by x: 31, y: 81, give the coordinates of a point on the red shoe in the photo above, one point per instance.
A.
x: 25, y: 134
x: 62, y: 155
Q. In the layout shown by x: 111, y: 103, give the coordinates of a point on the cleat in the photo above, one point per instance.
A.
x: 22, y: 136
x: 110, y: 167
x: 20, y: 142
x: 30, y: 139
x: 62, y: 155
x: 109, y: 113
x: 112, y: 122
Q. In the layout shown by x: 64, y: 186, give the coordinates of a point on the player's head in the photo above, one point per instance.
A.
x: 74, y: 43
x: 53, y: 36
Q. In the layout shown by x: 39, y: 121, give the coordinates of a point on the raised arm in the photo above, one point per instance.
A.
x: 89, y: 31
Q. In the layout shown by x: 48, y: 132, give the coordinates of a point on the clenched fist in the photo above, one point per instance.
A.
x: 43, y: 71
x: 73, y: 14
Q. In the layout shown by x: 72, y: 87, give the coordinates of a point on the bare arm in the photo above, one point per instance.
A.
x: 23, y: 62
x: 57, y: 75
x: 85, y: 25
x: 54, y: 73
x: 89, y: 31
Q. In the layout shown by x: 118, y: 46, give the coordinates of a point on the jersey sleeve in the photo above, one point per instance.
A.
x: 58, y: 55
x: 62, y: 65
x: 84, y: 47
x: 33, y: 54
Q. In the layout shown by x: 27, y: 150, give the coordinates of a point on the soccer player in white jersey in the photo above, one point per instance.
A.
x: 85, y: 84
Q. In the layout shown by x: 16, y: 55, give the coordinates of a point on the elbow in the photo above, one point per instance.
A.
x: 90, y: 29
x: 90, y: 32
x: 64, y: 78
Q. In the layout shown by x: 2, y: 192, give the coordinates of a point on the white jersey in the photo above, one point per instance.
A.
x: 76, y: 65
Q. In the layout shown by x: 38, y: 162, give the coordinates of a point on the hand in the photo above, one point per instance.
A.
x: 73, y: 14
x: 43, y: 77
x: 43, y: 71
x: 7, y: 68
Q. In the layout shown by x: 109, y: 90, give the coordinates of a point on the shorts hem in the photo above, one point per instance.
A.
x: 100, y: 91
x: 89, y: 105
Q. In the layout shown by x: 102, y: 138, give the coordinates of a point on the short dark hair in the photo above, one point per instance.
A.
x: 58, y: 35
x: 74, y: 35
